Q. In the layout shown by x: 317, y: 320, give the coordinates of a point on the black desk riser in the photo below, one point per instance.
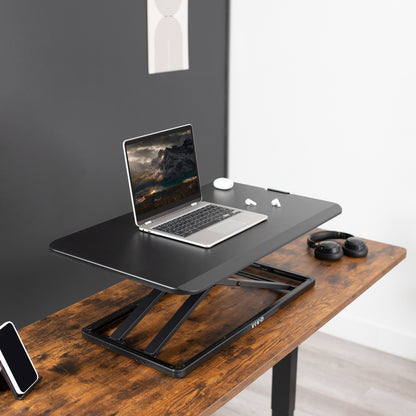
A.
x: 169, y: 266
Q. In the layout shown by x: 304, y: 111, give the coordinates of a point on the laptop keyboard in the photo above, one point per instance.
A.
x: 196, y: 220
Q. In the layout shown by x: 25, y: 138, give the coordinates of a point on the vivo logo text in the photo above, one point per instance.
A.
x: 257, y: 322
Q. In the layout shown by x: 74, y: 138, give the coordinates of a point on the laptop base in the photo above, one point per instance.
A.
x: 111, y: 332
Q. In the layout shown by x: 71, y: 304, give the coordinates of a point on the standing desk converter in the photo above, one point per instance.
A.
x: 173, y: 267
x: 80, y: 378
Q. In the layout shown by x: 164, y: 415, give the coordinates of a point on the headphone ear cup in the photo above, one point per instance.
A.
x: 328, y: 250
x: 355, y: 247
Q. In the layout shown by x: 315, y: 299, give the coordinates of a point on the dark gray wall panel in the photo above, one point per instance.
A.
x: 73, y: 85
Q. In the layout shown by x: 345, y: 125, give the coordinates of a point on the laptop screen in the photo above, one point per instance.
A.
x: 162, y: 170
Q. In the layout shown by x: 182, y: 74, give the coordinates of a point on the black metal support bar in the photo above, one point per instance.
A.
x: 143, y: 307
x: 284, y: 385
x: 175, y: 322
x: 281, y: 272
x: 256, y: 284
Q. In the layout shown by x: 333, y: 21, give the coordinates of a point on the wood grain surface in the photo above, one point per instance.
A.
x: 81, y: 378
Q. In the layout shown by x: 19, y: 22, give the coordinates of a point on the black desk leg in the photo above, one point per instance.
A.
x: 284, y: 385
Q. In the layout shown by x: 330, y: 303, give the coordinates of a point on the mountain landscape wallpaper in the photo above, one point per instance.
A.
x: 162, y: 169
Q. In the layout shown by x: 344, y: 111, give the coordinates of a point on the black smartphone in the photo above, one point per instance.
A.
x: 17, y: 367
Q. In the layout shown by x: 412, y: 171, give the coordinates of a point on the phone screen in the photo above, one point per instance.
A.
x: 16, y: 357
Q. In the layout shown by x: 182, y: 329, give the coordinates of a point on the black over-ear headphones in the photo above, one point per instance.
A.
x: 325, y: 249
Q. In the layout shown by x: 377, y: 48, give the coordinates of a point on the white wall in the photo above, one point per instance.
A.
x: 323, y: 104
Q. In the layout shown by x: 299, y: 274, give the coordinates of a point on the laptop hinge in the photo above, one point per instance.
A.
x: 193, y: 204
x: 147, y: 222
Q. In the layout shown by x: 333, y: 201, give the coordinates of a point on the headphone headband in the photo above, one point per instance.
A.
x: 326, y: 235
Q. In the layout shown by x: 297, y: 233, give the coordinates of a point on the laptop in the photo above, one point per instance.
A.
x: 165, y: 191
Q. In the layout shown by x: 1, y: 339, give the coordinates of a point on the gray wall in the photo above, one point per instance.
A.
x: 73, y: 85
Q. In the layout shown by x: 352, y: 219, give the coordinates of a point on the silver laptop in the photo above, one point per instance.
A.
x: 165, y: 191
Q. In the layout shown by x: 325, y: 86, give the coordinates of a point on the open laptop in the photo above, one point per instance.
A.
x: 165, y: 191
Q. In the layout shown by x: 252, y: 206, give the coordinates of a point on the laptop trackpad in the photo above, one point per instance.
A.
x: 227, y: 227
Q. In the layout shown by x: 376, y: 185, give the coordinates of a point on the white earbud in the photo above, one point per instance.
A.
x: 250, y: 202
x: 276, y: 203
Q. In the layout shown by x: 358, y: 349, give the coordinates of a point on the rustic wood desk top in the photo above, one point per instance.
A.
x: 81, y: 378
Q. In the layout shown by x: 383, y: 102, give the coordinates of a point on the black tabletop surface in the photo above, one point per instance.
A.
x: 180, y: 268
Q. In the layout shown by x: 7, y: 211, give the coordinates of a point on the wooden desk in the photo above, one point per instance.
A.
x: 81, y: 378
